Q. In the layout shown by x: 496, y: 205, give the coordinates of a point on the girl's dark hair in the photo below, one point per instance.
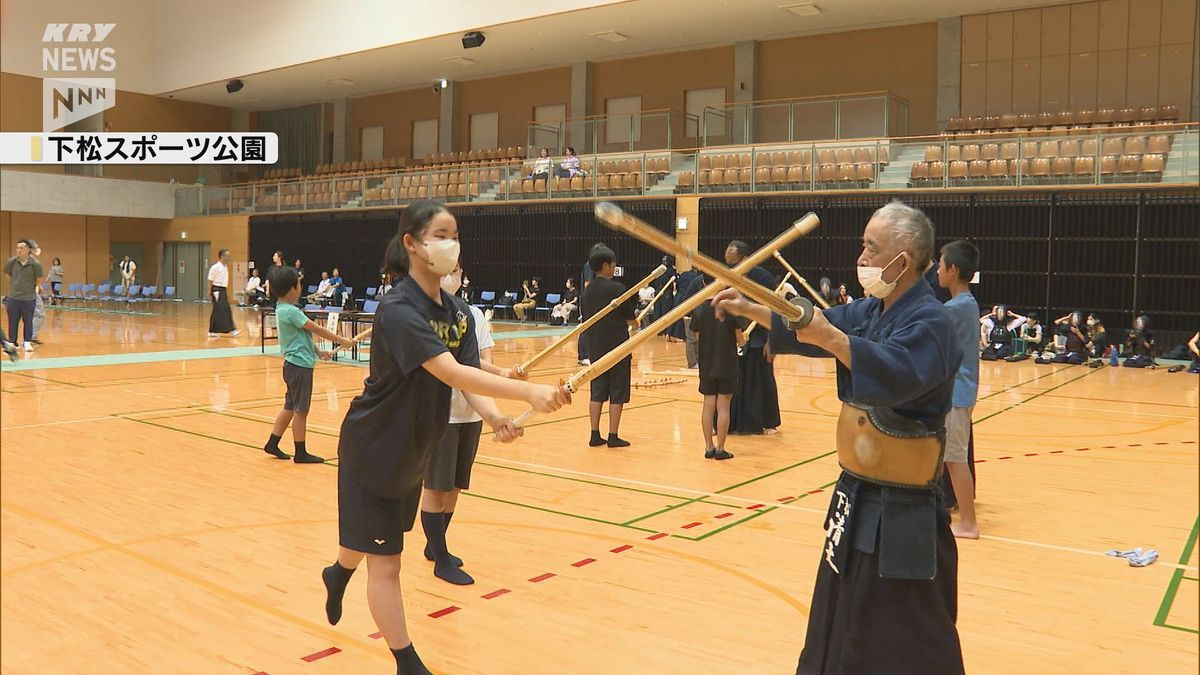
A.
x: 414, y: 220
x: 56, y: 261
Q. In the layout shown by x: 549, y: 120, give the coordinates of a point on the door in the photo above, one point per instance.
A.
x: 184, y: 267
x: 136, y: 251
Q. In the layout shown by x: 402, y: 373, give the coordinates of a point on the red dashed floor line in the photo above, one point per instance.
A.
x: 1099, y: 447
x: 660, y: 535
x: 320, y: 655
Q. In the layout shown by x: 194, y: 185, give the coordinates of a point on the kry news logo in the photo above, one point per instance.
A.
x: 66, y: 100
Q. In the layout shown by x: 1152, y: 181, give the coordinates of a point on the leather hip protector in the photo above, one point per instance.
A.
x: 879, y: 446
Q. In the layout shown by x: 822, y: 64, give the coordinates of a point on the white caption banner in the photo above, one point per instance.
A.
x: 139, y: 148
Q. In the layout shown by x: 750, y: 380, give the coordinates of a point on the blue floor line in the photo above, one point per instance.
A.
x: 132, y: 358
x: 55, y: 363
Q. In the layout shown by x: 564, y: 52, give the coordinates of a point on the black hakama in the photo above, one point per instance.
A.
x: 755, y: 405
x: 221, y: 319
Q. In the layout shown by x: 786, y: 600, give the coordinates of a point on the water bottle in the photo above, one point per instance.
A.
x: 1112, y: 359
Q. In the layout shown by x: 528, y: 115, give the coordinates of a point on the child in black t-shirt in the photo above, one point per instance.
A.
x: 606, y: 335
x: 422, y: 345
x: 719, y: 339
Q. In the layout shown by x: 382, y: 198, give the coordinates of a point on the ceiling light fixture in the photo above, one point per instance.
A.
x: 802, y: 9
x: 610, y: 36
x: 458, y: 60
x: 341, y: 81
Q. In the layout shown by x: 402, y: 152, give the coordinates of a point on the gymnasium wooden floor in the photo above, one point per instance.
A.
x: 145, y: 531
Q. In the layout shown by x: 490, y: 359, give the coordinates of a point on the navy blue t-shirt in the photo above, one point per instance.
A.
x: 403, y: 410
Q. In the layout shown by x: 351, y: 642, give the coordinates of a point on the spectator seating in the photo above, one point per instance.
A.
x: 820, y: 167
x: 1046, y: 159
x: 1062, y: 121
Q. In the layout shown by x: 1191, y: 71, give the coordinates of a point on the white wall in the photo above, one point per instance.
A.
x: 85, y: 195
x: 175, y: 44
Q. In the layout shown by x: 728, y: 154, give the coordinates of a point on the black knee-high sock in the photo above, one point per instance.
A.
x: 335, y: 577
x: 434, y: 525
x: 408, y: 663
x: 429, y: 550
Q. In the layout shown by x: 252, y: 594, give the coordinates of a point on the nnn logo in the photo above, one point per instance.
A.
x: 66, y: 101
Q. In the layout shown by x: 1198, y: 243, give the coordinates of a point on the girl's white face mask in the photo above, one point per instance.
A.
x: 871, y: 279
x: 443, y: 255
x: 452, y: 282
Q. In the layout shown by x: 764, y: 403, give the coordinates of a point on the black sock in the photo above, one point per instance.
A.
x: 444, y: 566
x: 616, y: 442
x: 272, y: 447
x: 429, y: 551
x: 302, y: 456
x: 335, y: 577
x: 596, y: 439
x: 408, y: 663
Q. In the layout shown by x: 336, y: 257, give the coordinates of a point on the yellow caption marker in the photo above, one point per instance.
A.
x: 35, y: 148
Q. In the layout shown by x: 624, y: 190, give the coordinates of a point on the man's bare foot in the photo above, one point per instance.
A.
x: 961, y: 532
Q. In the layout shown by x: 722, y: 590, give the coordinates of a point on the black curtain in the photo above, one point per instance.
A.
x: 1118, y: 253
x: 501, y: 244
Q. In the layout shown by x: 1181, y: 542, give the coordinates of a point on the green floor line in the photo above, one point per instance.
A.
x: 1022, y: 384
x: 1173, y: 586
x: 704, y: 498
x: 47, y: 379
x: 726, y: 526
x: 133, y: 358
x: 556, y: 512
x: 1091, y: 371
x: 586, y: 482
x: 572, y: 479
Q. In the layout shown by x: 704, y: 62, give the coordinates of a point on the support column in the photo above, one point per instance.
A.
x: 447, y: 129
x: 745, y: 71
x: 340, y: 130
x: 579, y: 134
x: 687, y: 206
x: 949, y: 69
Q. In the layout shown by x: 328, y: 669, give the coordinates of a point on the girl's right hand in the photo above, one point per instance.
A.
x: 547, y: 398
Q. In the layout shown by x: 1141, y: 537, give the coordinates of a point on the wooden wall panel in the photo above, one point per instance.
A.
x: 1055, y: 90
x: 1142, y: 76
x: 1026, y: 84
x: 1145, y: 23
x: 1085, y: 18
x: 1113, y: 30
x: 1027, y: 33
x: 1082, y: 94
x: 1110, y: 85
x: 1056, y: 30
x: 999, y: 36
x: 999, y: 87
x: 974, y: 88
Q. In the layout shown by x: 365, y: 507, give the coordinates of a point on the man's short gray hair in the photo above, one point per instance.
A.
x: 912, y: 228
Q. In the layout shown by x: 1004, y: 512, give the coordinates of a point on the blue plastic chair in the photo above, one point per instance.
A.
x: 370, y: 306
x: 487, y: 300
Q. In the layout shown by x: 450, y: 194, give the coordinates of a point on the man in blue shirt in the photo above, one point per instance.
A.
x: 959, y: 262
x: 886, y: 593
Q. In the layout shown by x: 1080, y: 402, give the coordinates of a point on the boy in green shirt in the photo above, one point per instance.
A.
x: 299, y: 359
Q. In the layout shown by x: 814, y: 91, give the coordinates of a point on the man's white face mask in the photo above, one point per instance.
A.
x: 871, y: 279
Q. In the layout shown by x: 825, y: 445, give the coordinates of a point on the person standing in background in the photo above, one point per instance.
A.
x: 128, y: 273
x: 23, y: 271
x: 221, y: 320
x: 56, y: 278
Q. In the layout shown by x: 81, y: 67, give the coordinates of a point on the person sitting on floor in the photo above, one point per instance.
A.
x: 1000, y: 335
x: 1139, y: 344
x: 1099, y: 342
x: 1031, y: 333
x: 1194, y: 349
x: 1074, y: 330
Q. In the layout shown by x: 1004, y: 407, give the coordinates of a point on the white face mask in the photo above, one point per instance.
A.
x: 452, y: 282
x: 443, y: 255
x: 872, y: 281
